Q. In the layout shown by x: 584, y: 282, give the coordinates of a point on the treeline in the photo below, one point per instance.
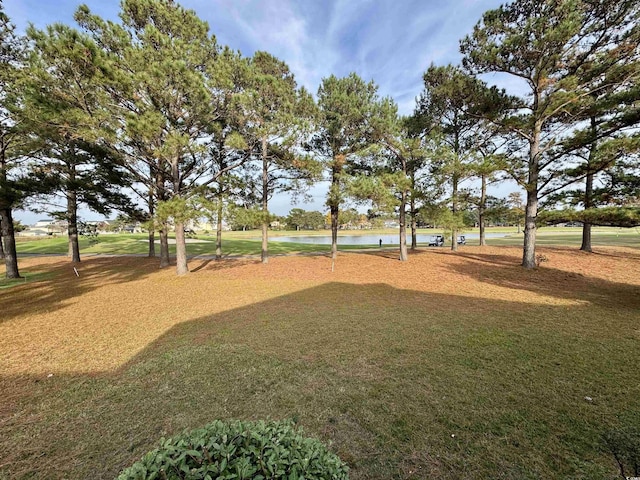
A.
x: 154, y: 105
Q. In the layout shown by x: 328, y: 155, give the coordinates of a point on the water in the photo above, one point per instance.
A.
x: 387, y: 239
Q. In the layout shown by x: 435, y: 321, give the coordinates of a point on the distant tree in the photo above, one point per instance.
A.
x: 349, y: 218
x: 516, y: 209
x: 296, y: 219
x: 299, y: 219
x: 624, y: 217
x: 314, y: 220
x: 120, y: 223
x: 244, y: 218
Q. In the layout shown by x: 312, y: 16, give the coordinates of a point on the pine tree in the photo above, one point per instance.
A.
x: 170, y: 79
x: 606, y: 120
x: 449, y: 104
x: 279, y: 115
x: 347, y: 108
x: 64, y: 111
x: 388, y: 178
x: 546, y: 45
x: 11, y: 140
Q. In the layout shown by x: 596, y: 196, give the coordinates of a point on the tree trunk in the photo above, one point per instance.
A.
x: 531, y: 212
x: 414, y: 236
x: 334, y: 232
x: 219, y: 230
x: 5, y: 212
x: 181, y: 244
x: 334, y: 203
x: 9, y: 239
x: 181, y: 250
x: 152, y: 242
x: 152, y: 232
x: 1, y: 242
x: 164, y: 246
x: 482, y: 208
x: 265, y: 200
x: 454, y: 209
x: 72, y: 226
x: 531, y: 209
x: 588, y: 203
x: 403, y: 228
x: 588, y: 190
x: 165, y: 261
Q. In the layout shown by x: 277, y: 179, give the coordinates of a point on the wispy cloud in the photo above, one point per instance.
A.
x: 391, y: 42
x: 387, y: 41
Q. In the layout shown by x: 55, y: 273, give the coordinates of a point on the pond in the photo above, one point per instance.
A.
x: 387, y: 239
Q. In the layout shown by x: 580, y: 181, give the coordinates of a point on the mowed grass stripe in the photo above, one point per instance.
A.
x: 248, y: 243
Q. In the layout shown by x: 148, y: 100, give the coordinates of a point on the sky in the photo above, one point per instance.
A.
x: 391, y: 42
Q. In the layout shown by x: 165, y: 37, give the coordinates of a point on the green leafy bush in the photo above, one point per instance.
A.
x: 239, y: 450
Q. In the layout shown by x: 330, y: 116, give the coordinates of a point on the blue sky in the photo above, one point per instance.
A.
x: 390, y: 42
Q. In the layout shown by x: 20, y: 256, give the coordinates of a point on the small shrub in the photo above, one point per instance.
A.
x: 239, y: 450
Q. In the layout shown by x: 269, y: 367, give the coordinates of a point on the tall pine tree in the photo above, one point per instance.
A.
x: 64, y: 110
x: 347, y: 108
x: 546, y: 45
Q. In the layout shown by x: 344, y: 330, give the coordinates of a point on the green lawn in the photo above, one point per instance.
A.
x: 248, y: 243
x: 27, y: 277
x: 237, y: 244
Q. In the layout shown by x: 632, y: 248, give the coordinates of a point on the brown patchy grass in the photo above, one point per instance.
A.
x: 454, y: 365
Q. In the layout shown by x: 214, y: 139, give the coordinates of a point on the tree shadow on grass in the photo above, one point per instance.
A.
x: 199, y: 264
x: 203, y: 264
x: 62, y: 284
x: 616, y: 253
x: 545, y: 280
x: 405, y: 383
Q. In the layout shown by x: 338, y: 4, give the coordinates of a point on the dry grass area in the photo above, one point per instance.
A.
x: 453, y: 365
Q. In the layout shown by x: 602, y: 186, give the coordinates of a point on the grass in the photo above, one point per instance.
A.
x: 27, y: 276
x: 238, y: 243
x: 248, y: 243
x: 449, y: 366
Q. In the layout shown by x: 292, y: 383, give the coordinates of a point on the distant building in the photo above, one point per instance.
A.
x: 52, y: 227
x: 201, y: 225
x: 43, y: 223
x: 102, y: 226
x: 33, y: 232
